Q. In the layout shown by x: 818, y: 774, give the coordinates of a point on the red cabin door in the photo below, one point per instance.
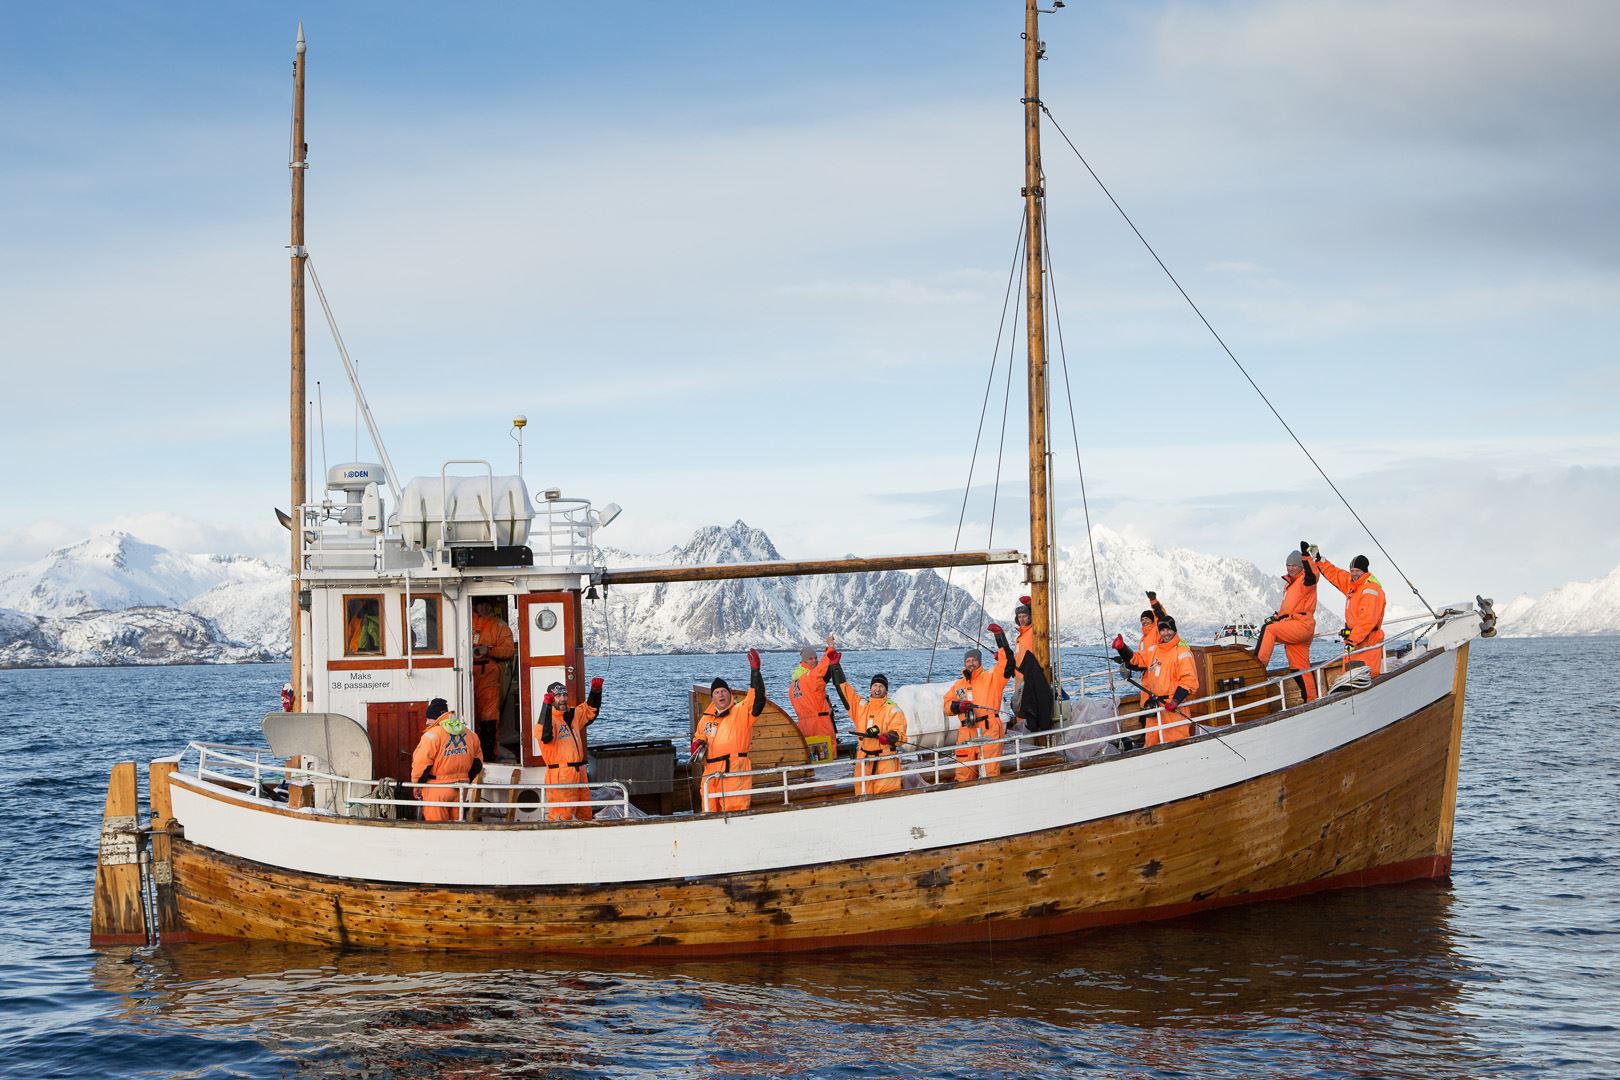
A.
x: 394, y: 728
x: 551, y: 649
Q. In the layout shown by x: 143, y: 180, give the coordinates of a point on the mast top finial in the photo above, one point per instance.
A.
x: 300, y: 35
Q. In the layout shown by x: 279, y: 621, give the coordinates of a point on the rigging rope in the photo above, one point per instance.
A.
x: 1074, y: 430
x: 995, y: 357
x: 1235, y: 360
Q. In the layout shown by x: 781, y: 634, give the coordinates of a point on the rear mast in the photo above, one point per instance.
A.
x: 1039, y: 570
x: 298, y: 165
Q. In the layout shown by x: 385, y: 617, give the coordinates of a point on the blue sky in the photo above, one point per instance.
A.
x: 746, y: 260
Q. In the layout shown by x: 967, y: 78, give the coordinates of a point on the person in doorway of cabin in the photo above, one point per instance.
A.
x: 492, y: 645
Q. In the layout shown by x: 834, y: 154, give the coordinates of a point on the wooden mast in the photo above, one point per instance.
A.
x: 298, y: 165
x: 1039, y: 573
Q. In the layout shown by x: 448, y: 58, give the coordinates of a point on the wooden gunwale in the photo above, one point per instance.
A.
x: 1366, y: 812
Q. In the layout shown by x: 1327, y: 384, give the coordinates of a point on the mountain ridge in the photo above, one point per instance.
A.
x: 99, y: 600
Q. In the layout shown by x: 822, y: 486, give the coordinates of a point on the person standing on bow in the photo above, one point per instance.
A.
x: 880, y: 726
x: 560, y: 744
x: 492, y: 645
x: 1169, y: 678
x: 1293, y: 623
x: 1363, y: 633
x: 808, y: 693
x: 974, y: 701
x: 725, y: 731
x: 447, y: 754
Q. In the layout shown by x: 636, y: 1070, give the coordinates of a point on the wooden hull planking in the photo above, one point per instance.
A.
x: 1372, y: 811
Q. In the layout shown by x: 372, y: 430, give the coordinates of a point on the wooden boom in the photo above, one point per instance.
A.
x: 648, y: 575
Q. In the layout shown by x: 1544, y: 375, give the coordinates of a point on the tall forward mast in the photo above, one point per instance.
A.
x: 298, y: 164
x: 1040, y: 567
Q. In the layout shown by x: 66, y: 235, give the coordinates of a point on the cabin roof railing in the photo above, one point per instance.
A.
x: 560, y: 540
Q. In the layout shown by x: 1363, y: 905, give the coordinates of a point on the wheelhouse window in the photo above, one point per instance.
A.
x: 422, y: 623
x: 362, y: 626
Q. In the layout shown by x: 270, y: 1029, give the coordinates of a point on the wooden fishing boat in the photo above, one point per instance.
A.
x: 308, y: 839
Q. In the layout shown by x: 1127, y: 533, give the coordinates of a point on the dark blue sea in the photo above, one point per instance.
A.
x: 1509, y: 968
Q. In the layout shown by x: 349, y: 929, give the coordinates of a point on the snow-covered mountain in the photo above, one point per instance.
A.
x: 137, y: 635
x: 1580, y: 607
x: 116, y: 599
x: 1203, y: 592
x: 901, y: 609
x: 893, y: 609
x: 114, y: 570
x: 257, y: 613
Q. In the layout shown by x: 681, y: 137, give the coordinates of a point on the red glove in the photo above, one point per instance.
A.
x: 753, y: 659
x: 892, y: 738
x: 1118, y: 642
x: 1025, y: 600
x: 550, y: 699
x: 596, y: 685
x: 833, y: 656
x: 695, y: 744
x: 995, y: 629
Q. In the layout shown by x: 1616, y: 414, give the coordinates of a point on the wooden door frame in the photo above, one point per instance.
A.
x: 571, y: 659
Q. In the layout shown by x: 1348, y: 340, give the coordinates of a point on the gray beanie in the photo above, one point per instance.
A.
x: 973, y: 654
x: 1295, y: 559
x: 807, y: 653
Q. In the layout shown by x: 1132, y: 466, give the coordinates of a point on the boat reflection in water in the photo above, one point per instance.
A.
x: 1303, y: 984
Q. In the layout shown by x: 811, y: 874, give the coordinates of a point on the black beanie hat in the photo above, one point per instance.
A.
x: 1359, y: 563
x: 437, y: 708
x: 881, y: 678
x: 719, y: 684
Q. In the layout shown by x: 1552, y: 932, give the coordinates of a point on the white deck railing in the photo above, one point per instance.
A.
x: 1070, y: 740
x: 221, y: 762
x: 1078, y: 741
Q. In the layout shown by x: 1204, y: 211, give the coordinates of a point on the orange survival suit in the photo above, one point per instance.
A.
x: 447, y: 754
x: 493, y: 633
x: 1150, y: 632
x: 560, y: 743
x: 726, y: 737
x: 880, y: 725
x: 1363, y: 615
x: 1294, y: 623
x: 808, y: 693
x: 975, y: 701
x: 1170, y: 676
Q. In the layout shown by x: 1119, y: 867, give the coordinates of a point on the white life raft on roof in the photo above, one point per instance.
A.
x: 439, y: 511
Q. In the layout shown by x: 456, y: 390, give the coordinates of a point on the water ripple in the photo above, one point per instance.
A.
x: 1509, y: 970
